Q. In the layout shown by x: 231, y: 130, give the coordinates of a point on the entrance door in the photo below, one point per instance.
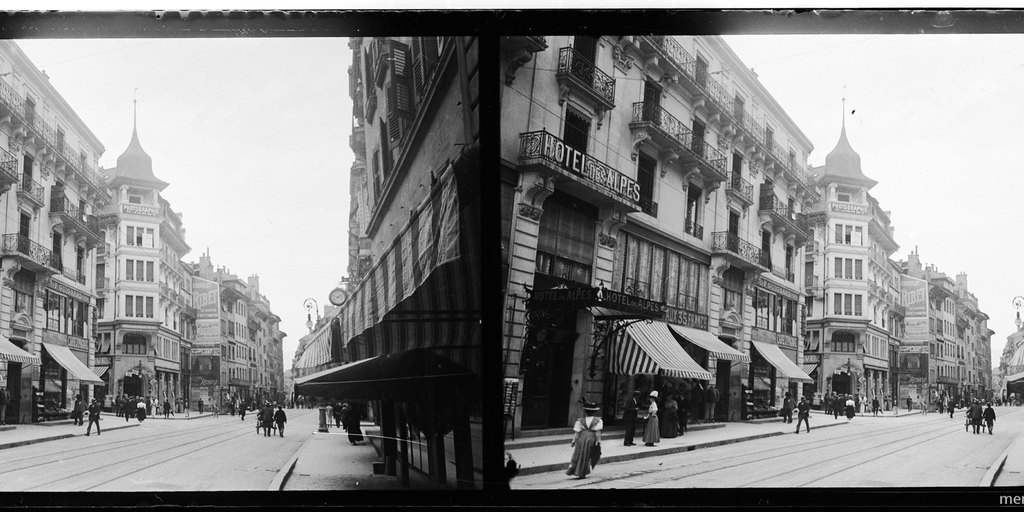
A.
x: 133, y: 385
x: 14, y: 389
x: 841, y: 384
x: 547, y: 379
x: 722, y: 379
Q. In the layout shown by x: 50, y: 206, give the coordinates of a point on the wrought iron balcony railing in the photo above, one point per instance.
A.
x: 11, y: 100
x: 675, y: 51
x: 725, y: 241
x: 87, y: 225
x: 693, y: 229
x: 8, y: 166
x: 20, y: 244
x: 781, y: 212
x: 649, y: 207
x: 573, y: 64
x: 741, y: 187
x: 31, y: 190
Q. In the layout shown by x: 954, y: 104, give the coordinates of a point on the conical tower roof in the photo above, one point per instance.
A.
x: 135, y: 165
x: 843, y: 163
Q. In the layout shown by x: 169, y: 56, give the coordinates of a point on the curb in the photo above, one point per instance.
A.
x: 277, y: 483
x: 27, y: 442
x: 532, y: 470
x: 989, y: 480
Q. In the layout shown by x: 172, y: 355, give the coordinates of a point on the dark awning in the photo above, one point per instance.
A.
x: 402, y: 376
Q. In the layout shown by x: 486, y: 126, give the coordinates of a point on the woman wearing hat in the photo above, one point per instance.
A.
x: 652, y: 434
x: 587, y: 436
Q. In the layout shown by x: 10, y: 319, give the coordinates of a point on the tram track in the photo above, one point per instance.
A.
x: 701, y: 467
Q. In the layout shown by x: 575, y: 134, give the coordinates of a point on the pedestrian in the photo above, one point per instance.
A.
x: 942, y: 404
x: 670, y: 422
x: 849, y: 407
x: 267, y: 415
x: 856, y: 403
x: 787, y: 408
x: 976, y: 414
x: 990, y: 417
x: 140, y: 410
x: 910, y: 403
x: 350, y: 419
x: 697, y: 402
x: 184, y: 406
x: 803, y: 415
x: 167, y: 409
x: 875, y: 405
x: 886, y: 402
x: 629, y: 417
x: 78, y: 411
x: 585, y: 439
x: 652, y: 432
x: 280, y: 418
x: 241, y: 412
x: 828, y: 403
x: 128, y: 409
x: 336, y: 409
x: 200, y: 406
x: 836, y: 405
x: 684, y: 412
x: 231, y: 407
x: 951, y: 407
x: 5, y: 398
x: 711, y: 397
x: 94, y: 417
x: 149, y: 405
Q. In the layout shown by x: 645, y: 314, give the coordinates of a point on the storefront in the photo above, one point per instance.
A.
x: 710, y: 351
x: 16, y: 364
x: 770, y: 376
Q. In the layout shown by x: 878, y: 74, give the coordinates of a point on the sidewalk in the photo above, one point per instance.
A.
x: 12, y: 436
x: 536, y: 455
x: 327, y: 461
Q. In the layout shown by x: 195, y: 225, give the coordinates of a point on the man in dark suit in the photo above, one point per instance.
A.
x: 629, y: 417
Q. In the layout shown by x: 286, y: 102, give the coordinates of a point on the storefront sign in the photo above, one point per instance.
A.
x: 578, y: 298
x: 589, y: 168
x: 678, y: 316
x: 205, y: 351
x: 76, y: 343
x: 774, y: 338
x: 776, y: 289
x: 138, y: 209
x: 510, y: 396
x: 69, y: 291
x: 914, y: 296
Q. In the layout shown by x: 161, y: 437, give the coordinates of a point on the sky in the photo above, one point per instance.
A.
x: 252, y: 136
x: 936, y: 120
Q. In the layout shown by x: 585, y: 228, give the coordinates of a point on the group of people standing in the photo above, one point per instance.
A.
x: 975, y: 416
x: 846, y: 404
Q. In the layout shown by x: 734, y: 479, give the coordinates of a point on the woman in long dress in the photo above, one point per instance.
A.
x: 849, y: 407
x: 587, y: 436
x: 652, y: 432
x: 670, y: 425
x: 350, y: 421
x: 140, y: 410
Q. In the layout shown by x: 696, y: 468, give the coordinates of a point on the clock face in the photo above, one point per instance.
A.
x: 338, y: 296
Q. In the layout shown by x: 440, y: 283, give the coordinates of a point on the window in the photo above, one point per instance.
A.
x: 565, y: 246
x: 27, y: 166
x: 844, y: 342
x: 129, y: 270
x: 766, y: 245
x: 149, y: 271
x: 732, y: 285
x: 693, y: 211
x: 843, y: 197
x: 58, y: 249
x: 652, y: 271
x: 134, y: 344
x: 697, y: 141
x: 645, y: 177
x: 24, y: 291
x: 100, y: 305
x: 577, y: 129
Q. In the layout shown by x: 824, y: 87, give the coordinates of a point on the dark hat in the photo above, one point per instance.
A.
x: 591, y: 406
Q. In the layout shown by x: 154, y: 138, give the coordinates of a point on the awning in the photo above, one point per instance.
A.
x: 781, y: 362
x: 10, y: 352
x: 1015, y: 377
x: 716, y: 348
x: 649, y: 348
x: 809, y: 368
x: 404, y: 376
x: 101, y: 370
x: 72, y: 364
x: 318, y: 349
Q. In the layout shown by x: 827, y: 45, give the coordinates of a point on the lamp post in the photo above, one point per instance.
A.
x: 311, y: 306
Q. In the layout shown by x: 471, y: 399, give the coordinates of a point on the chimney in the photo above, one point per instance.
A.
x: 961, y: 281
x: 254, y: 284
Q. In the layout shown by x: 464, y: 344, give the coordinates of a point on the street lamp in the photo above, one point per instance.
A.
x: 311, y: 305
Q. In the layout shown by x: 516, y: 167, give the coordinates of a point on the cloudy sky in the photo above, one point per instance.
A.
x: 251, y: 134
x: 936, y: 120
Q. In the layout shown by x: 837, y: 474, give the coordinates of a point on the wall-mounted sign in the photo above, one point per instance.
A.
x: 510, y: 396
x: 544, y: 145
x: 578, y: 298
x: 138, y: 209
x: 678, y: 316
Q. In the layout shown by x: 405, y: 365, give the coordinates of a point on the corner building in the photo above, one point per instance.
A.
x: 653, y: 197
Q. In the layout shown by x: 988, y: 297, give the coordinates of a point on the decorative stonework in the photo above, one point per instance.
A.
x: 639, y: 137
x: 13, y: 145
x: 621, y: 59
x: 530, y: 212
x: 608, y: 241
x: 608, y: 224
x: 668, y: 158
x: 724, y: 144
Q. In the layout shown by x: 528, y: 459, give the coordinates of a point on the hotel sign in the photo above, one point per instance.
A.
x: 544, y: 145
x: 578, y: 298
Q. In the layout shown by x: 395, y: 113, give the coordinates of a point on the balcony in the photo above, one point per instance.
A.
x: 693, y: 229
x: 649, y: 207
x: 651, y: 122
x: 75, y: 222
x: 740, y: 189
x: 31, y: 255
x: 518, y: 50
x: 783, y: 219
x: 579, y: 173
x: 189, y: 311
x: 708, y: 94
x: 578, y: 74
x: 31, y: 192
x: 73, y: 275
x: 379, y: 57
x: 8, y: 170
x: 739, y: 253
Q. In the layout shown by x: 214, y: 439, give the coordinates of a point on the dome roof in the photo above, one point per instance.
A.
x: 135, y: 162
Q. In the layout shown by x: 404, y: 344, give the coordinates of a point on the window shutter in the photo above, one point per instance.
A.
x: 394, y: 123
x: 425, y: 56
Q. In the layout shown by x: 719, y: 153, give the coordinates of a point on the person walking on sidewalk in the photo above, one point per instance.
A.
x: 200, y: 406
x: 803, y: 415
x: 629, y: 417
x: 711, y: 397
x: 875, y: 405
x: 350, y: 419
x: 670, y: 422
x: 585, y: 439
x: 280, y: 418
x: 990, y: 417
x: 910, y: 404
x: 241, y: 413
x: 167, y: 409
x: 849, y: 407
x: 951, y: 408
x: 78, y: 411
x: 652, y: 432
x: 140, y: 410
x: 787, y: 408
x: 836, y: 405
x: 5, y: 398
x: 684, y: 412
x: 94, y: 417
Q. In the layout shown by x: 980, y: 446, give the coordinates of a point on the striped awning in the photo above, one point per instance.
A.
x: 101, y: 370
x: 716, y: 348
x: 76, y: 368
x: 649, y: 348
x: 781, y: 362
x: 10, y: 352
x: 318, y: 348
x: 809, y: 368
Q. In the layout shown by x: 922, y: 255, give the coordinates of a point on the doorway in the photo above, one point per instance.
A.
x: 13, y: 413
x: 547, y: 377
x: 722, y: 381
x: 841, y: 383
x: 133, y: 385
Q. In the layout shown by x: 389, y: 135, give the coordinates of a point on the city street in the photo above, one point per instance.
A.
x: 204, y: 454
x: 910, y: 451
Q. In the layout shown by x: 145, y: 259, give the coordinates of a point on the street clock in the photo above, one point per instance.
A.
x: 338, y: 296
